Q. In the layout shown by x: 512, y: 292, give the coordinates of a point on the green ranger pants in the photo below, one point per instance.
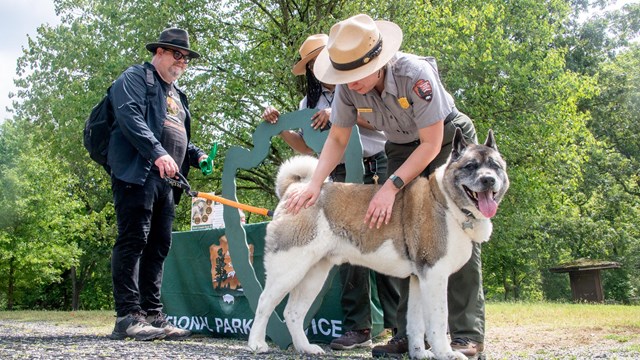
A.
x: 356, y: 301
x: 356, y: 280
x: 465, y: 294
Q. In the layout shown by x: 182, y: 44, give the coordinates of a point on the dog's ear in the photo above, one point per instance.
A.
x: 459, y: 144
x: 491, y: 141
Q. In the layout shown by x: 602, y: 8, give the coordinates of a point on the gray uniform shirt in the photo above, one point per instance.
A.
x: 372, y: 140
x: 413, y: 98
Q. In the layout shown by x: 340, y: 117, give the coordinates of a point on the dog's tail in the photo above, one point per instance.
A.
x: 297, y: 169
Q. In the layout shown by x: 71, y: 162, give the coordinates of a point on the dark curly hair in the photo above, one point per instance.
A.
x: 314, y: 89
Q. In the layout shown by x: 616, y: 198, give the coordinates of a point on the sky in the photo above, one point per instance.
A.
x: 19, y: 18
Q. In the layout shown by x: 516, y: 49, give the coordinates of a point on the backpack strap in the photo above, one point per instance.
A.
x: 150, y: 78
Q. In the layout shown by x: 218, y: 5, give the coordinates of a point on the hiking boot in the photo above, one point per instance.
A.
x: 352, y: 339
x: 394, y: 347
x: 159, y: 321
x: 468, y: 347
x: 135, y: 326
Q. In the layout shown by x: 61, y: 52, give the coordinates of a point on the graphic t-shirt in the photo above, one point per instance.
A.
x: 174, y: 135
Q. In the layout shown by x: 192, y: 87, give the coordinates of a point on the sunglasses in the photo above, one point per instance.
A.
x: 177, y: 55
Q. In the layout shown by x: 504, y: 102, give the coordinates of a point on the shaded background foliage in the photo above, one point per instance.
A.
x: 560, y: 94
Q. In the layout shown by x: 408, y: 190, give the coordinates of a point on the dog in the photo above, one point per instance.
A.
x: 434, y: 223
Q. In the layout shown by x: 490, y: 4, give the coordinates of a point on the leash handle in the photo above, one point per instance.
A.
x: 180, y: 182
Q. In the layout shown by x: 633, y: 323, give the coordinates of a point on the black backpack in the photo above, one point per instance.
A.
x: 97, y: 127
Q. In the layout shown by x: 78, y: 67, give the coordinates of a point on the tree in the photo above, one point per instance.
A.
x: 556, y: 92
x: 40, y: 220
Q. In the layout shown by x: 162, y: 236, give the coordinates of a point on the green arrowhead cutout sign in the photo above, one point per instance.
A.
x: 237, y: 158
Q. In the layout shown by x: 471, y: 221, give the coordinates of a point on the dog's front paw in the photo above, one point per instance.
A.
x: 447, y: 355
x: 311, y: 349
x: 456, y: 355
x: 421, y: 354
x: 258, y: 346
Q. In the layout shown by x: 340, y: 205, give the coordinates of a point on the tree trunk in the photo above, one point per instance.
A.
x: 10, y: 289
x: 516, y: 284
x: 505, y: 284
x: 75, y: 297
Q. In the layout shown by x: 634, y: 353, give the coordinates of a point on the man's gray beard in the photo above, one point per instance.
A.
x: 176, y: 72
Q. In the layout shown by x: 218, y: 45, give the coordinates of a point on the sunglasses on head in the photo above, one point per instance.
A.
x: 177, y: 55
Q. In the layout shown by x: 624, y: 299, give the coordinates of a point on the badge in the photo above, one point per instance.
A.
x: 423, y: 89
x: 364, y: 110
x: 404, y: 103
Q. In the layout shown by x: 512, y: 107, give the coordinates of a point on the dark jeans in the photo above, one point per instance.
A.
x: 465, y: 295
x: 356, y: 289
x: 145, y: 216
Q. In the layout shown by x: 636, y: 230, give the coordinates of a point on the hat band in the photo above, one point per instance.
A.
x: 316, y: 49
x: 375, y: 51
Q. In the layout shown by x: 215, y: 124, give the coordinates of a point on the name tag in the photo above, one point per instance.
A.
x: 365, y: 110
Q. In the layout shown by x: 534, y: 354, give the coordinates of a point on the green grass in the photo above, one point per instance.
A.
x: 498, y: 314
x: 563, y: 315
x: 99, y: 320
x: 619, y: 338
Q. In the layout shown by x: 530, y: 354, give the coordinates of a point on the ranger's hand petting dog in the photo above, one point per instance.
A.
x: 303, y: 198
x: 428, y: 237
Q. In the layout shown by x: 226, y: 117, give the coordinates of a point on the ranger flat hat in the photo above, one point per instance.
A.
x: 309, y: 49
x: 357, y: 47
x: 173, y: 38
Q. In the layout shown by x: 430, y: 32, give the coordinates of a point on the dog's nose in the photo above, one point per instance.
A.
x: 488, y: 181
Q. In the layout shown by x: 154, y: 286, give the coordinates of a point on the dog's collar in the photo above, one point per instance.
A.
x: 468, y: 223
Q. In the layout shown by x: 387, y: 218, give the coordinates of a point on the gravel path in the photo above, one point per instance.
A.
x: 30, y: 340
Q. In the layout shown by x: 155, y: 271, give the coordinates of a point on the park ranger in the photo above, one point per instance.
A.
x: 402, y: 95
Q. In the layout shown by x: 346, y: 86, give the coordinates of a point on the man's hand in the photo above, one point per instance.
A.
x: 167, y: 166
x: 271, y: 114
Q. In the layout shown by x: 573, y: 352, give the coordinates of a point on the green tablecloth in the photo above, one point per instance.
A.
x: 201, y: 293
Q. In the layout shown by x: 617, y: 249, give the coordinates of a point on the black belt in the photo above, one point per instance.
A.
x: 452, y: 115
x: 370, y: 164
x: 372, y: 158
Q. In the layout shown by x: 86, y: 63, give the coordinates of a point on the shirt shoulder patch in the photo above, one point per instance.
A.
x: 423, y: 89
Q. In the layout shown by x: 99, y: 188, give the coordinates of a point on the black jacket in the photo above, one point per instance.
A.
x: 134, y: 144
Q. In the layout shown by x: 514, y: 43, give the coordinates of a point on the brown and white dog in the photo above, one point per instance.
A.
x: 433, y: 226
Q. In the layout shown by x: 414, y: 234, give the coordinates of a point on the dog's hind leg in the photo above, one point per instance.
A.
x: 433, y: 289
x: 300, y: 300
x: 416, y: 326
x: 280, y: 280
x: 269, y: 299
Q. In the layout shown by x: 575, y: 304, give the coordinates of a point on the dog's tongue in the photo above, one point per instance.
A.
x: 488, y: 206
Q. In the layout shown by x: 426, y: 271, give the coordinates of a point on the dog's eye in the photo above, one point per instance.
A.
x: 471, y: 166
x: 494, y: 164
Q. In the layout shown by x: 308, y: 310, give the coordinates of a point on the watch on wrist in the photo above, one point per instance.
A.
x: 397, y: 181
